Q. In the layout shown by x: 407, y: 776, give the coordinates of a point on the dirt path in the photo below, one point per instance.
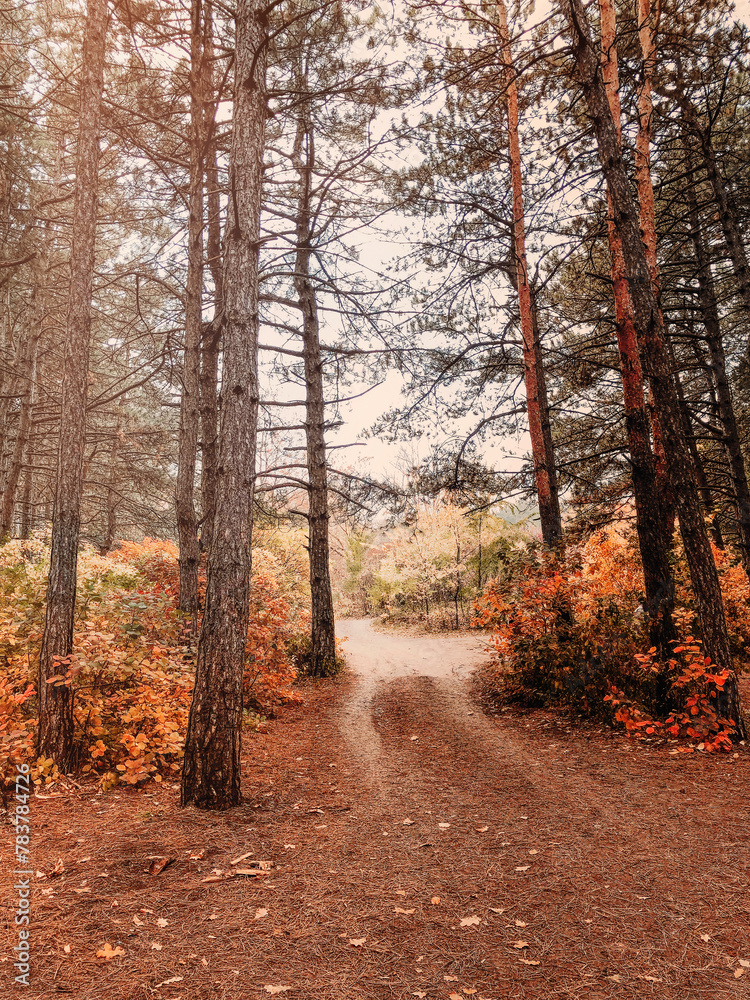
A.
x: 419, y: 848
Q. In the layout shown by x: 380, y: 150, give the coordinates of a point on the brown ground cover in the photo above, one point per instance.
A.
x: 407, y: 844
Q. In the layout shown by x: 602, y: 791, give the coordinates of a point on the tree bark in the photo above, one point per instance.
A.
x: 211, y: 770
x: 187, y: 520
x: 323, y: 656
x: 55, y: 737
x: 650, y: 332
x: 653, y: 538
x: 646, y: 204
x: 537, y: 405
x: 212, y: 331
x: 13, y: 472
x: 27, y: 518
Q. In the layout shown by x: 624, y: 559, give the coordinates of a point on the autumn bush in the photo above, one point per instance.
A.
x: 133, y: 660
x: 572, y: 632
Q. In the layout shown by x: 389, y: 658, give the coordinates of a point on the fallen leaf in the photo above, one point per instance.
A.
x: 137, y: 921
x: 520, y: 944
x: 408, y: 822
x: 400, y: 892
x: 523, y: 868
x: 615, y: 979
x: 744, y: 963
x: 519, y: 923
x: 166, y: 982
x: 66, y: 949
x: 470, y: 921
x: 533, y: 851
x: 651, y: 979
x: 260, y: 913
x: 451, y: 979
x: 481, y: 829
x: 412, y: 738
x: 158, y: 865
x: 705, y: 937
x: 435, y: 900
x: 530, y: 961
x: 469, y: 990
x: 199, y: 855
x: 738, y: 973
x: 357, y: 942
x: 273, y: 990
x: 155, y: 946
x: 109, y: 952
x: 455, y: 996
x: 399, y: 910
x: 494, y: 909
x: 161, y: 922
x: 289, y: 847
x: 204, y: 962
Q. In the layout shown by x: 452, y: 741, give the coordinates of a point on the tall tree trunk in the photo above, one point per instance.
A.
x: 55, y: 738
x: 112, y: 492
x: 537, y: 406
x: 27, y: 518
x: 323, y: 656
x: 13, y: 471
x: 730, y: 437
x: 211, y: 347
x: 646, y: 203
x: 646, y: 36
x: 211, y: 770
x: 653, y: 537
x: 187, y: 521
x: 650, y: 332
x: 12, y: 393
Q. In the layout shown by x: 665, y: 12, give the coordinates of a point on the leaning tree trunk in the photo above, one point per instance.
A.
x: 653, y: 537
x: 187, y: 521
x: 650, y: 331
x: 55, y: 737
x: 536, y: 397
x: 323, y: 627
x: 211, y: 770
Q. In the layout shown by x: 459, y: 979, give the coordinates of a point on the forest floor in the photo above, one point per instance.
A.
x: 398, y: 842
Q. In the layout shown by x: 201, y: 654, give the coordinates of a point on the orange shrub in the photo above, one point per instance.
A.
x: 573, y: 632
x: 131, y: 670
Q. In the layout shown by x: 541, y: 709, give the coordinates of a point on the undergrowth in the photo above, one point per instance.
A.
x: 132, y: 668
x: 572, y: 633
